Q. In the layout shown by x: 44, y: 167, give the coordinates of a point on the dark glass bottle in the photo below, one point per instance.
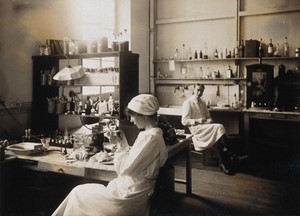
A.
x: 72, y: 105
x: 195, y: 55
x: 242, y: 49
x: 260, y: 49
x: 270, y: 48
x: 200, y: 54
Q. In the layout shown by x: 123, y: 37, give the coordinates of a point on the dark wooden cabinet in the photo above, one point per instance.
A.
x: 126, y: 83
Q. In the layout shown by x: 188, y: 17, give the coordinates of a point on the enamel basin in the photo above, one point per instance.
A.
x: 25, y: 148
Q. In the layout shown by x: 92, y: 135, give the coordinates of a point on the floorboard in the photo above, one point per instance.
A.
x: 257, y: 188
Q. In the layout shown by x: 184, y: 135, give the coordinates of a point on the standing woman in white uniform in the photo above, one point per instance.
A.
x: 196, y: 116
x: 137, y: 168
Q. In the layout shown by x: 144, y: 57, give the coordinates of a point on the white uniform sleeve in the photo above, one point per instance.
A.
x: 186, y: 114
x: 139, y: 157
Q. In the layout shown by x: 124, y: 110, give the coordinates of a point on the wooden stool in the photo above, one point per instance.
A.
x: 203, y: 153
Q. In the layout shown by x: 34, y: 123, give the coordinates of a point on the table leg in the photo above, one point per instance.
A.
x: 188, y: 170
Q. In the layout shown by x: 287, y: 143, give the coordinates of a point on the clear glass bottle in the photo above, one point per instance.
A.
x: 270, y: 48
x: 277, y: 50
x: 200, y: 73
x: 216, y: 54
x: 183, y: 52
x: 236, y: 50
x: 176, y: 55
x: 286, y: 48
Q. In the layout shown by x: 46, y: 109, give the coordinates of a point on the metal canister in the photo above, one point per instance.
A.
x: 47, y: 50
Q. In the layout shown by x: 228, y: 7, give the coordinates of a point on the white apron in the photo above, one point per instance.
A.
x: 204, y: 135
x: 129, y: 193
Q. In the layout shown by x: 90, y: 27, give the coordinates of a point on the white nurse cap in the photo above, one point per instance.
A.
x: 144, y: 104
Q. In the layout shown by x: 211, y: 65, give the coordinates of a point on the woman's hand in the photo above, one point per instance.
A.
x: 200, y: 121
x: 119, y: 139
x: 208, y: 121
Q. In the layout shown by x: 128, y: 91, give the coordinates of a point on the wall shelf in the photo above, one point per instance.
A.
x: 227, y: 59
x: 216, y: 81
x: 195, y: 18
x: 268, y: 12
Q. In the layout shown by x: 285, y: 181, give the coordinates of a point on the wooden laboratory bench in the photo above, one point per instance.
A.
x: 55, y: 162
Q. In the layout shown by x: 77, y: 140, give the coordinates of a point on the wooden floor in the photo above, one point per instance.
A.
x: 267, y: 189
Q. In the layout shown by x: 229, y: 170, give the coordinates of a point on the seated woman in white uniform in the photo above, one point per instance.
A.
x: 137, y: 168
x: 206, y: 134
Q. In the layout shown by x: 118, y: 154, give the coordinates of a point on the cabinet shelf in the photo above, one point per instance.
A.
x: 126, y: 80
x: 83, y: 55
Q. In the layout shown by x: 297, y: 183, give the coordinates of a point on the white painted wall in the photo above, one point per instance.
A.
x: 134, y: 15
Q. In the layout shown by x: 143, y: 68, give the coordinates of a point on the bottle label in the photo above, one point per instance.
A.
x: 270, y: 49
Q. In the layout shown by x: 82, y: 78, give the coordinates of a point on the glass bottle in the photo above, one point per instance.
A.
x: 277, y: 51
x: 205, y: 51
x: 241, y: 49
x: 260, y: 49
x: 200, y: 73
x: 176, y: 54
x: 236, y: 50
x: 286, y: 48
x: 200, y: 54
x: 158, y: 74
x: 270, y: 48
x: 216, y: 54
x: 72, y: 104
x: 183, y: 52
x: 195, y: 55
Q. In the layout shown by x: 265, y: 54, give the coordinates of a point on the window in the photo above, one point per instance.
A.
x: 97, y: 19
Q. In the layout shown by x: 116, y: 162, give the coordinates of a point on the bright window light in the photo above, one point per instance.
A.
x: 97, y: 19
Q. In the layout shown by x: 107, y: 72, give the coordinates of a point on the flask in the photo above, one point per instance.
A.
x: 286, y: 48
x: 270, y: 48
x: 176, y: 54
x: 260, y: 49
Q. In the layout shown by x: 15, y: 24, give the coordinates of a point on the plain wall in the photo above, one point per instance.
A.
x: 24, y: 25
